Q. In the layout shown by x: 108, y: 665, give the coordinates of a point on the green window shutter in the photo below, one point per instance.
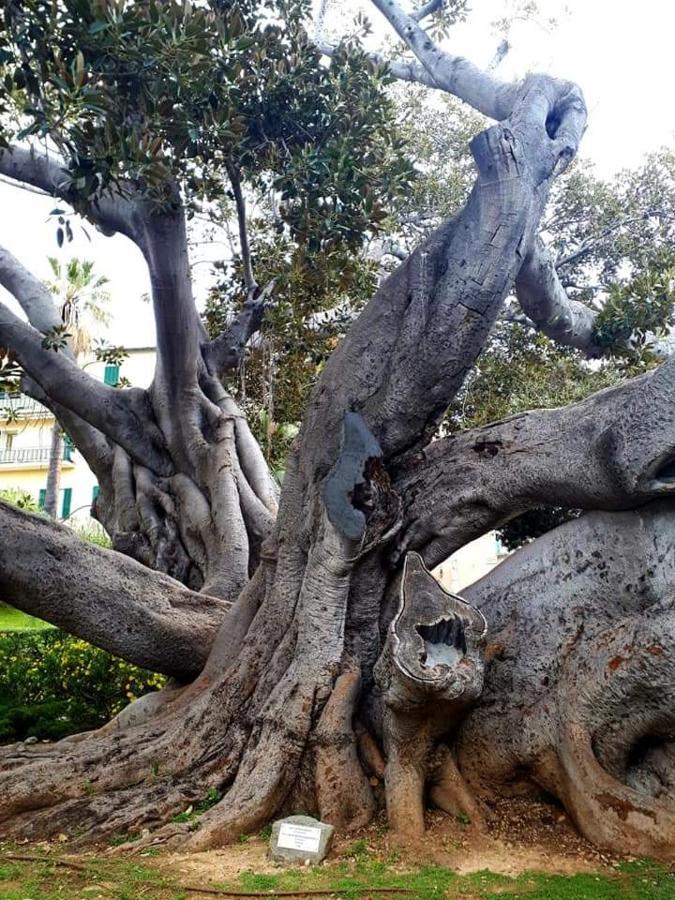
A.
x: 111, y: 375
x: 42, y: 496
x: 67, y: 500
x: 68, y: 448
x: 95, y: 492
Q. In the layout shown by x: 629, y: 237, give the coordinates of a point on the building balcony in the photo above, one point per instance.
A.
x: 21, y: 406
x: 31, y: 457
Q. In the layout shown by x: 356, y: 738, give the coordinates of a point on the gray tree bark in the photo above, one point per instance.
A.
x: 579, y: 698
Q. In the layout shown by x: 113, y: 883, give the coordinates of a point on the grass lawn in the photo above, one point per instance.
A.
x: 14, y: 620
x: 153, y: 879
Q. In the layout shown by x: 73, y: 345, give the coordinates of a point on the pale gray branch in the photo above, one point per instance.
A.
x: 224, y: 353
x: 610, y: 451
x: 453, y: 74
x: 543, y: 298
x: 34, y: 297
x: 104, y: 597
x: 500, y: 53
x: 122, y: 415
x: 427, y: 10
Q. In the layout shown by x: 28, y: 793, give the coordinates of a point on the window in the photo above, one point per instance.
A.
x: 68, y: 448
x: 42, y: 496
x: 67, y: 500
x: 111, y: 375
x: 95, y: 492
x: 9, y: 439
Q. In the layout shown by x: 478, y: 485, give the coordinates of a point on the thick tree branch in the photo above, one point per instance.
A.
x: 34, y: 297
x: 93, y: 445
x: 410, y: 350
x: 28, y: 166
x: 105, y: 598
x: 614, y: 450
x: 544, y: 299
x: 122, y: 415
x: 453, y: 74
x: 163, y: 240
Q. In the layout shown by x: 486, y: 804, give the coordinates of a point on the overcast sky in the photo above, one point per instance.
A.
x: 619, y: 52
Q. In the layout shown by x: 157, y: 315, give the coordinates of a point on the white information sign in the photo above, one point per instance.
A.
x: 299, y: 837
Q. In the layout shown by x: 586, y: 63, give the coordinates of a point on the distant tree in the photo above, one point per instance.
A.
x: 80, y: 294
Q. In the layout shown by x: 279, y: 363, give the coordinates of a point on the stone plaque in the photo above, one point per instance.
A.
x: 300, y: 839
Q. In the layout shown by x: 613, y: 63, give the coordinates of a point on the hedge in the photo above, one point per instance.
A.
x: 53, y: 685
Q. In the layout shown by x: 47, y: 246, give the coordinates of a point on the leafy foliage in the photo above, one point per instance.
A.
x: 149, y: 95
x: 521, y: 369
x: 316, y: 297
x: 52, y: 684
x: 641, y: 306
x: 20, y: 498
x: 534, y: 523
x: 10, y: 371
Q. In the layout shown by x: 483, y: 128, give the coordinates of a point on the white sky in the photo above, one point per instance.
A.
x: 619, y: 52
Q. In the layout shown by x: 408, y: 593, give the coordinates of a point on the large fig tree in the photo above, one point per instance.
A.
x: 312, y: 656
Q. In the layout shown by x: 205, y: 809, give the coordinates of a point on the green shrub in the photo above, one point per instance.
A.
x: 94, y: 534
x: 53, y: 684
x: 19, y: 497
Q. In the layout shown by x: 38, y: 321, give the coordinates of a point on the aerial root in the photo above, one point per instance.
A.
x: 344, y: 795
x: 608, y: 812
x: 450, y: 792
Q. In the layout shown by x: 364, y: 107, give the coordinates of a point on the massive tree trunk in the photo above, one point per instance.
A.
x: 340, y: 659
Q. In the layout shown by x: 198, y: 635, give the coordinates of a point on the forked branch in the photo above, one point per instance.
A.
x: 453, y: 74
x: 119, y: 414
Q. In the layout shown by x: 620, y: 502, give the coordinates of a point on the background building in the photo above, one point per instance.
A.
x: 470, y: 563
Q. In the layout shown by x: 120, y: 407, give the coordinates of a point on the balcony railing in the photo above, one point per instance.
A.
x: 21, y: 406
x: 29, y: 455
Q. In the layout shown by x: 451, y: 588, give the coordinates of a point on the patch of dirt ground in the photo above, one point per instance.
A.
x: 522, y: 835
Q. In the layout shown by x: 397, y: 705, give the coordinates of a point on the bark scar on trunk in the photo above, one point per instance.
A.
x: 430, y: 671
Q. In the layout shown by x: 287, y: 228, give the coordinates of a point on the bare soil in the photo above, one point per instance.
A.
x: 523, y: 835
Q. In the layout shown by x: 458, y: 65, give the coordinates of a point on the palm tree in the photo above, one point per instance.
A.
x: 83, y: 296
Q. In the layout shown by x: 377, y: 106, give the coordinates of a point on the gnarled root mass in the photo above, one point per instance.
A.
x: 262, y: 713
x: 580, y: 697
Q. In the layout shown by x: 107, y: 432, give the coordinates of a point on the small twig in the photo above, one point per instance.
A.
x: 327, y: 892
x: 29, y: 857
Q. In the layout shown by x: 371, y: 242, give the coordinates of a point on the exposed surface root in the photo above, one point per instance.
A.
x: 345, y: 797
